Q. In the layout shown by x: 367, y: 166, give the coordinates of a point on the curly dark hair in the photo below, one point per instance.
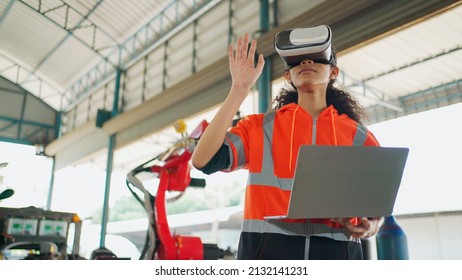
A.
x: 343, y: 101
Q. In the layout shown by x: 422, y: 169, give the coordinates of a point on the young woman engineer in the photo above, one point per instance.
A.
x: 314, y: 112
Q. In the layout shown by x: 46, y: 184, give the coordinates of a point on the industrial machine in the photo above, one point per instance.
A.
x: 34, y: 233
x: 172, y: 167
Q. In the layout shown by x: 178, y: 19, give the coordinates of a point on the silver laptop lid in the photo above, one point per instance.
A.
x: 346, y: 181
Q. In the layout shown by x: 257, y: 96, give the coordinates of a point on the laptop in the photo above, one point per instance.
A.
x: 345, y: 181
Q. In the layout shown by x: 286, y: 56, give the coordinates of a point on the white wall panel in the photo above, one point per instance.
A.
x: 200, y: 101
x: 88, y: 108
x: 11, y: 103
x: 290, y: 9
x: 433, y: 236
x: 133, y: 90
x: 246, y: 18
x: 37, y: 111
x: 109, y: 93
x: 23, y: 116
x: 67, y: 121
x: 81, y: 116
x: 97, y: 101
x: 154, y: 76
x: 84, y: 147
x: 95, y: 104
x: 422, y: 244
x: 212, y: 31
x: 180, y: 56
x: 450, y: 230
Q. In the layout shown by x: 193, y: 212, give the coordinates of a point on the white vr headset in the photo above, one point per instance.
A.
x: 295, y: 45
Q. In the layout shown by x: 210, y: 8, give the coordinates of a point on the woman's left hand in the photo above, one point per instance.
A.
x: 365, y: 228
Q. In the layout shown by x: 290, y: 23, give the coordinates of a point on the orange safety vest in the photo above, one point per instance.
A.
x: 267, y: 145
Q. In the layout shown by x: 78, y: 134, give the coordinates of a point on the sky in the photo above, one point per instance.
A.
x: 431, y: 181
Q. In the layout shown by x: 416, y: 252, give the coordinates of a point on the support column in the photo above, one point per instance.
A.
x: 264, y: 82
x: 275, y: 13
x: 58, y: 133
x: 264, y: 87
x: 110, y: 155
x: 230, y: 22
x: 52, y: 182
x: 264, y: 16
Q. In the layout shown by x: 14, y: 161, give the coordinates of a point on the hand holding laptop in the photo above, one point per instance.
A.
x: 366, y: 227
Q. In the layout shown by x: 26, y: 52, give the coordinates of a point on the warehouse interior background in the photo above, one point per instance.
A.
x: 90, y: 89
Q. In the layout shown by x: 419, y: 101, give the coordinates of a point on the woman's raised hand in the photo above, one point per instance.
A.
x: 241, y: 63
x: 244, y: 74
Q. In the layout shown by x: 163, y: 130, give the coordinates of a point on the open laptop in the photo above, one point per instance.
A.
x: 345, y: 181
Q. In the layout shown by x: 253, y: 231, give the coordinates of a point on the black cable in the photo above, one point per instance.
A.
x: 134, y: 194
x: 146, y: 246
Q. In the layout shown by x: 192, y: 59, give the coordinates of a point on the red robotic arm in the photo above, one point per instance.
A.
x: 174, y: 175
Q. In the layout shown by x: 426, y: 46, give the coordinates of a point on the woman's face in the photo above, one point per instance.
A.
x: 309, y: 73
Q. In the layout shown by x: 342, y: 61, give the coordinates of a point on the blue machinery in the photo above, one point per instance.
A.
x: 391, y: 241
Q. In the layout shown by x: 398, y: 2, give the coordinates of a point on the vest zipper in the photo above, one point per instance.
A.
x: 313, y: 132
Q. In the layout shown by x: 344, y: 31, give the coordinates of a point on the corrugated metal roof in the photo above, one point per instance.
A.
x: 59, y: 41
x: 422, y: 56
x: 122, y: 18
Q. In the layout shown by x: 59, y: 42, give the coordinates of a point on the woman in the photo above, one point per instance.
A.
x: 266, y: 144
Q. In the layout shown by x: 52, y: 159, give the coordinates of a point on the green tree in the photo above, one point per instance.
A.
x: 193, y: 199
x: 125, y: 208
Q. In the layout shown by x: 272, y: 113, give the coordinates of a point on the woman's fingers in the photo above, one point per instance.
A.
x: 242, y: 49
x: 260, y: 64
x: 253, y: 49
x: 244, y: 70
x: 365, y: 228
x: 245, y: 46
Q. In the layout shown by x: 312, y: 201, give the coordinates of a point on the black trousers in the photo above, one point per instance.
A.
x: 272, y: 246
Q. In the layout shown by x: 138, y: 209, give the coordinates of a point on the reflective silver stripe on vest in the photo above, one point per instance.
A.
x: 266, y: 176
x: 239, y: 146
x: 264, y: 179
x: 296, y: 229
x: 360, y: 136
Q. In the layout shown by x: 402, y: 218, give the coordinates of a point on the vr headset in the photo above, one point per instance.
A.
x: 295, y: 45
